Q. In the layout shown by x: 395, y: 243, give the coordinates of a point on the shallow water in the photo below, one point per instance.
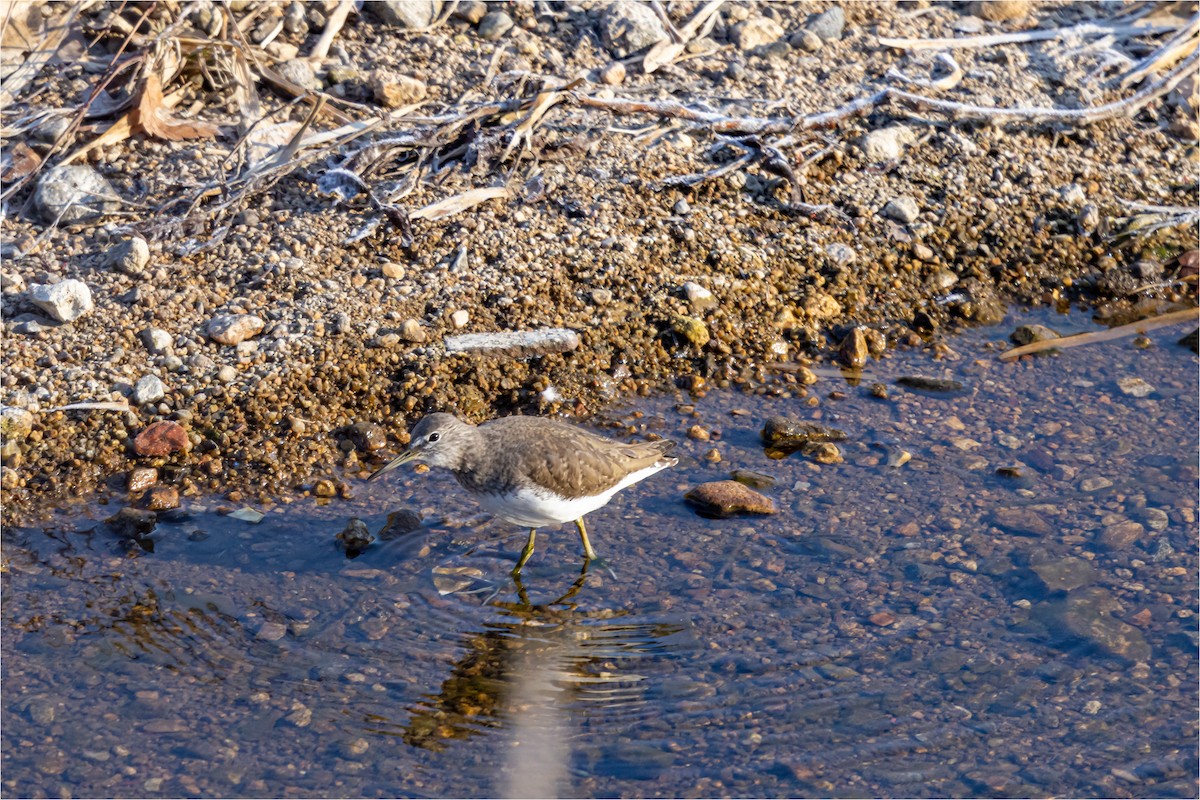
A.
x: 1011, y: 611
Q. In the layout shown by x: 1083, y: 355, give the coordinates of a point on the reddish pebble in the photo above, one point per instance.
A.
x: 727, y: 498
x: 160, y: 439
x: 882, y: 618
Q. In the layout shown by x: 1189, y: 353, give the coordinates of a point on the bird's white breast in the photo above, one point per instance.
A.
x: 533, y: 507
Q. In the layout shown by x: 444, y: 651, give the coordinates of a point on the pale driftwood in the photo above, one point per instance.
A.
x: 333, y: 26
x: 1040, y: 35
x: 1092, y: 337
x: 459, y: 203
x: 1172, y: 50
x: 667, y: 51
x: 1085, y: 116
x: 99, y: 405
x: 721, y: 123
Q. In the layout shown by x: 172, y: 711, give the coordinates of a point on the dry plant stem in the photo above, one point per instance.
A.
x: 1121, y: 331
x: 1041, y: 35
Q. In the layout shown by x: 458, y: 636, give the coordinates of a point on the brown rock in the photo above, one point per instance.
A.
x: 1000, y: 10
x: 853, y: 350
x: 161, y: 439
x: 727, y: 498
x: 325, y: 488
x: 162, y: 498
x: 827, y: 453
x: 882, y: 618
x: 613, y: 73
x: 395, y: 90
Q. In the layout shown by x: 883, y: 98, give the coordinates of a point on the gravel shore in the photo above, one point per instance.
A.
x: 291, y: 349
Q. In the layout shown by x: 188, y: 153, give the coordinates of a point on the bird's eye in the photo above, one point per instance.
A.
x: 433, y: 437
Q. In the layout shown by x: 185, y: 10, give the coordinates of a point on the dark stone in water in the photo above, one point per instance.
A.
x: 355, y: 537
x: 634, y: 761
x: 132, y: 523
x: 929, y: 384
x: 1028, y: 334
x: 1191, y: 341
x: 790, y: 434
x: 755, y: 480
x: 399, y: 523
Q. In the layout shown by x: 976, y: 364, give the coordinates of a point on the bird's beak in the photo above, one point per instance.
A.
x: 405, y: 457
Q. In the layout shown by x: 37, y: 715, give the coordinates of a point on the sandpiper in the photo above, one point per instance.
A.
x: 533, y: 471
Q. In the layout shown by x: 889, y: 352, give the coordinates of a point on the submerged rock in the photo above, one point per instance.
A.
x: 1022, y: 520
x: 132, y: 523
x: 1065, y: 574
x: 784, y: 433
x: 755, y: 480
x: 1086, y: 615
x: 930, y: 384
x: 728, y: 498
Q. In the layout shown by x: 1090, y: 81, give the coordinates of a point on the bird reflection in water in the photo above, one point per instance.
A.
x: 527, y: 673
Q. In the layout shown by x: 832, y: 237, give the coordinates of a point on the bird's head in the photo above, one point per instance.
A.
x: 438, y: 440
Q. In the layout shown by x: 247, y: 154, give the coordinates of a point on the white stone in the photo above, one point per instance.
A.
x: 148, y: 390
x: 460, y: 318
x: 74, y: 193
x: 515, y: 343
x: 902, y: 209
x: 841, y: 254
x: 66, y: 301
x: 886, y: 144
x: 627, y: 27
x: 1135, y: 387
x: 157, y: 340
x: 407, y: 13
x: 755, y: 32
x: 130, y: 256
x: 698, y: 296
x: 233, y: 329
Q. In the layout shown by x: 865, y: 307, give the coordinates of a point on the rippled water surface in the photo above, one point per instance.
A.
x: 993, y: 594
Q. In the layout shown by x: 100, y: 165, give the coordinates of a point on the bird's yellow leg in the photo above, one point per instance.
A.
x: 526, y: 552
x: 588, y: 552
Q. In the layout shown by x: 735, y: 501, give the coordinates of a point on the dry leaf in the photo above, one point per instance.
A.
x: 151, y: 116
x: 19, y: 161
x: 458, y: 203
